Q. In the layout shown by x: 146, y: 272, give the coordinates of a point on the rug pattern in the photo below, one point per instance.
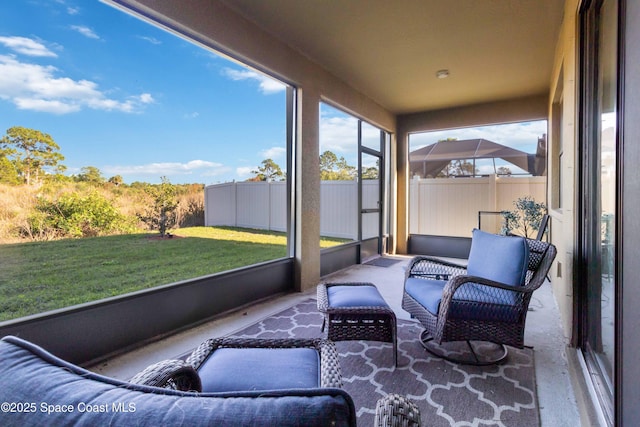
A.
x: 447, y: 394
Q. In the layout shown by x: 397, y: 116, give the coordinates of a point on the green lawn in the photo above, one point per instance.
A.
x: 42, y: 276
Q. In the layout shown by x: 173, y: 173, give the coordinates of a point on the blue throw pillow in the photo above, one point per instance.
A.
x: 502, y: 259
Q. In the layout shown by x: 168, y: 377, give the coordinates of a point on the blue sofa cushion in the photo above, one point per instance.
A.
x: 428, y: 293
x: 64, y: 394
x: 241, y: 369
x: 341, y: 296
x: 502, y: 259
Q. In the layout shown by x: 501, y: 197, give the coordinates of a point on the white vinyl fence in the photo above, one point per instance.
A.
x: 263, y: 205
x: 260, y: 205
x: 449, y: 207
x: 445, y: 207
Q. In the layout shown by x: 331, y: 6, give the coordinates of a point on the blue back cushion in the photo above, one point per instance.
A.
x: 502, y: 259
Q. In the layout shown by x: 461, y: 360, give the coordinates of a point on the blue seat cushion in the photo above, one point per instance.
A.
x: 354, y: 296
x: 502, y: 259
x: 244, y: 369
x: 498, y: 304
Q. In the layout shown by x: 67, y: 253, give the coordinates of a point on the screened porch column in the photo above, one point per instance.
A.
x: 402, y: 191
x: 307, y: 190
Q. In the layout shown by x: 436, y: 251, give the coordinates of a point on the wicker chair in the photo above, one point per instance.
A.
x: 470, y: 314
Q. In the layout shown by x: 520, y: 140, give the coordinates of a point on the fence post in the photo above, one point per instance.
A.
x: 493, y: 191
x: 235, y: 203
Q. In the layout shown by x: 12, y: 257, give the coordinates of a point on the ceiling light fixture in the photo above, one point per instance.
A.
x: 442, y: 74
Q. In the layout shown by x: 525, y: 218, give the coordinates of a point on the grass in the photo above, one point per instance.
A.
x: 42, y: 276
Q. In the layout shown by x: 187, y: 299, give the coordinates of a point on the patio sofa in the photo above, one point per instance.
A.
x: 37, y: 388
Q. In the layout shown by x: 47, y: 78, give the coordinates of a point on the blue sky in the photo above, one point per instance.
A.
x: 131, y: 99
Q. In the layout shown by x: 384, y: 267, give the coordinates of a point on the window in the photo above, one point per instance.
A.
x: 338, y: 176
x: 462, y: 178
x: 556, y: 149
x: 141, y: 125
x: 353, y: 184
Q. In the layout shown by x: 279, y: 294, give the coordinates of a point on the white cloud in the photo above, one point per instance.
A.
x: 339, y: 135
x: 245, y: 171
x: 146, y: 98
x: 267, y: 84
x: 73, y: 10
x: 45, y: 106
x: 37, y: 88
x: 204, y: 167
x: 522, y: 136
x: 85, y: 31
x: 26, y: 46
x: 274, y: 153
x: 151, y: 40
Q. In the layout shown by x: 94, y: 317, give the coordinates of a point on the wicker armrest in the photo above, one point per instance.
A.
x: 172, y: 374
x: 433, y: 268
x: 331, y: 374
x: 396, y: 411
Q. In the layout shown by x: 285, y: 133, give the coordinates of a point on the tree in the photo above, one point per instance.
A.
x: 116, y: 180
x: 525, y: 219
x: 503, y: 170
x: 162, y: 215
x: 333, y: 168
x: 370, y: 172
x: 269, y: 171
x: 457, y: 168
x: 32, y: 152
x: 8, y: 172
x: 90, y: 174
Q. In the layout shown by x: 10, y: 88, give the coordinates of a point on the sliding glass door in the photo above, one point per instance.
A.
x: 599, y: 180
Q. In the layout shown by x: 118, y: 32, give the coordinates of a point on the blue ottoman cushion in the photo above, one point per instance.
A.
x: 354, y: 296
x: 243, y: 369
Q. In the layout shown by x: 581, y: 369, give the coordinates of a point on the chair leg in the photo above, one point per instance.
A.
x: 463, y: 352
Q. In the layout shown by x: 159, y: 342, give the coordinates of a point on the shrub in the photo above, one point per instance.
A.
x: 190, y: 212
x: 162, y: 216
x: 74, y: 215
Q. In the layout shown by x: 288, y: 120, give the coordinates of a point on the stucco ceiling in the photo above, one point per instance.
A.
x: 391, y: 50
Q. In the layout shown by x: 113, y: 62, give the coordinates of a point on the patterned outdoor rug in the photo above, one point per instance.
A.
x: 446, y: 393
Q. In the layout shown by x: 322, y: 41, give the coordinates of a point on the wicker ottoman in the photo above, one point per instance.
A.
x: 357, y: 311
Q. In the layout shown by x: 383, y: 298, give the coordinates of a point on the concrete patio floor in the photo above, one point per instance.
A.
x: 556, y: 397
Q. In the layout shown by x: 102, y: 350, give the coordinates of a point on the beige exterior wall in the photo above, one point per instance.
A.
x: 216, y: 26
x: 563, y: 113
